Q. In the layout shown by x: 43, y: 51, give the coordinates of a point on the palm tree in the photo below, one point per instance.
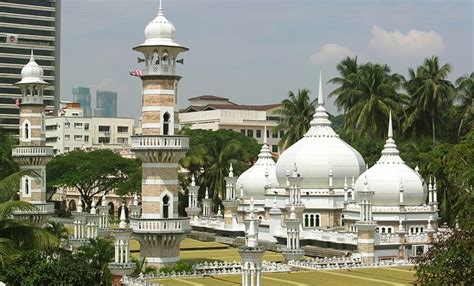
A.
x: 58, y: 230
x: 431, y: 94
x: 142, y: 267
x: 17, y: 235
x: 465, y: 95
x: 297, y: 112
x: 373, y: 95
x: 7, y: 165
x: 348, y: 69
x: 99, y: 252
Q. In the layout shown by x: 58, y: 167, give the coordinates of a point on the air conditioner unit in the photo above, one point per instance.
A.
x: 418, y: 250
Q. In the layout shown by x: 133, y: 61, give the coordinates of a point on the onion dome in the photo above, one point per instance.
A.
x: 32, y: 73
x: 160, y: 31
x: 386, y: 177
x: 320, y: 151
x: 261, y: 174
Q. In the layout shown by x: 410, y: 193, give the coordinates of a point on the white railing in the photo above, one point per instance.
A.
x: 166, y: 142
x: 330, y: 235
x: 416, y: 238
x: 43, y: 208
x: 32, y: 99
x: 160, y: 225
x: 387, y: 238
x: 160, y: 70
x: 417, y: 208
x: 32, y: 151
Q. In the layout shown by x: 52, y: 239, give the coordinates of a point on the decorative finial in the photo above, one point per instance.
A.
x: 295, y: 170
x: 401, y: 185
x: 353, y: 183
x: 123, y: 223
x: 193, y: 181
x: 160, y: 10
x: 390, y: 128
x: 430, y: 186
x: 434, y: 184
x: 265, y: 139
x: 93, y: 210
x: 231, y: 171
x: 417, y: 169
x: 292, y: 212
x: 219, y: 213
x: 135, y: 199
x: 241, y: 190
x: 345, y: 182
x: 79, y: 206
x: 207, y: 193
x: 320, y: 92
x: 366, y: 184
x: 32, y: 57
x: 103, y: 203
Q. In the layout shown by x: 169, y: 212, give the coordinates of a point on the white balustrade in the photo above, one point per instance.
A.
x: 32, y: 151
x: 43, y: 208
x: 416, y: 238
x: 387, y: 238
x: 166, y: 142
x: 160, y: 225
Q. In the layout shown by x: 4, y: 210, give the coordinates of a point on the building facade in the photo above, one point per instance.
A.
x: 24, y: 26
x: 106, y: 103
x: 218, y: 113
x: 71, y: 130
x: 82, y: 95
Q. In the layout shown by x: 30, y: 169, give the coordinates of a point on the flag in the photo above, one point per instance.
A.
x: 12, y: 38
x: 17, y: 103
x: 135, y: 73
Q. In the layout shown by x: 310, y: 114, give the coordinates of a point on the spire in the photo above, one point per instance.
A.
x: 345, y: 182
x: 390, y: 151
x: 193, y: 181
x: 231, y: 171
x: 366, y: 184
x: 160, y: 10
x: 320, y: 125
x: 135, y: 199
x: 79, y: 205
x: 32, y: 57
x: 390, y: 128
x: 93, y: 210
x: 207, y: 193
x: 265, y: 139
x: 103, y: 203
x: 252, y: 240
x: 295, y: 170
x: 320, y: 91
x: 265, y: 150
x: 292, y: 212
x: 123, y: 223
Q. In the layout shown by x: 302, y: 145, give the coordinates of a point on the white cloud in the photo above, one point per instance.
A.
x: 331, y: 53
x: 412, y: 44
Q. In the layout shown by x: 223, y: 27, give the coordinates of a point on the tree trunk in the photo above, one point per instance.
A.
x: 433, y: 127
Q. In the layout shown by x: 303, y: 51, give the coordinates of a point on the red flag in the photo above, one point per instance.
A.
x: 136, y: 72
x: 17, y: 103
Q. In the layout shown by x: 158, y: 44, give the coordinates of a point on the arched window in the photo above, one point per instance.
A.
x: 165, y: 59
x: 416, y: 230
x: 166, y: 123
x: 306, y: 220
x: 311, y: 220
x: 72, y: 205
x: 166, y: 206
x: 156, y: 58
x: 26, y: 131
x: 421, y: 229
x: 111, y: 208
x: 389, y: 230
x: 383, y: 229
x: 411, y: 230
x: 317, y: 220
x: 27, y: 186
x: 342, y: 220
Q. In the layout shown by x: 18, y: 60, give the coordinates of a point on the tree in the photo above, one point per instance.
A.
x: 94, y: 173
x: 19, y: 235
x: 7, y: 165
x: 57, y: 229
x: 347, y: 83
x: 99, y: 253
x: 465, y: 95
x: 297, y: 112
x: 431, y: 94
x: 374, y: 94
x: 142, y: 267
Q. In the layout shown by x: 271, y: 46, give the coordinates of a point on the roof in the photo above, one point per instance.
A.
x: 208, y: 97
x: 194, y: 108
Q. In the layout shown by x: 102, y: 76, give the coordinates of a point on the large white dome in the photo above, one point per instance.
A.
x: 319, y: 152
x: 32, y: 72
x: 261, y: 174
x: 388, y: 175
x: 160, y: 31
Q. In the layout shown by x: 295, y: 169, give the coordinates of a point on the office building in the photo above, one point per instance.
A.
x: 28, y: 25
x: 106, y: 103
x: 82, y: 95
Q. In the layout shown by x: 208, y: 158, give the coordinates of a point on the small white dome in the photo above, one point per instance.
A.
x: 159, y: 30
x: 261, y: 174
x: 32, y: 72
x: 388, y: 175
x: 318, y: 152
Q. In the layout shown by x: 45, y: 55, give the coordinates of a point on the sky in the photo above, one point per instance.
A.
x: 255, y: 51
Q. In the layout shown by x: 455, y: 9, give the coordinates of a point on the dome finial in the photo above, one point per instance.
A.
x: 390, y: 128
x: 193, y: 181
x: 160, y: 10
x: 32, y: 57
x: 320, y: 92
x: 231, y: 170
x: 123, y: 223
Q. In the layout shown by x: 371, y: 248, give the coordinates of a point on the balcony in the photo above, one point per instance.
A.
x: 47, y: 208
x: 387, y: 238
x: 165, y: 225
x: 28, y: 151
x: 160, y: 142
x: 416, y: 238
x: 160, y: 70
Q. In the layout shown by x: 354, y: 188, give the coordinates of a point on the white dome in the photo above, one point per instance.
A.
x: 159, y: 30
x: 318, y: 152
x: 261, y: 174
x: 388, y: 175
x: 32, y: 72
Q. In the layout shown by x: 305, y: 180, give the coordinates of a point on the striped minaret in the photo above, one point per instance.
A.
x: 32, y: 154
x: 159, y: 229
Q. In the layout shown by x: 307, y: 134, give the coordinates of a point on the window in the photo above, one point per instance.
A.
x: 104, y: 128
x: 274, y: 135
x: 86, y: 126
x: 51, y: 127
x: 268, y: 133
x: 66, y: 149
x: 27, y: 186
x: 166, y: 200
x: 122, y: 129
x: 250, y: 133
x: 282, y: 133
x: 67, y: 124
x: 77, y: 137
x: 242, y: 131
x: 105, y: 140
x: 258, y: 133
x: 86, y: 138
x: 77, y: 125
x: 75, y: 114
x: 26, y: 131
x: 67, y: 137
x: 166, y: 123
x: 275, y: 148
x: 122, y: 140
x: 311, y: 220
x: 51, y: 139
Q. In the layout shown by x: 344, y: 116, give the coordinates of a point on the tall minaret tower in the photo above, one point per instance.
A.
x: 159, y: 229
x: 32, y: 154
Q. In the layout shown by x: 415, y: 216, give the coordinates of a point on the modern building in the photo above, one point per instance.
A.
x: 217, y: 113
x: 106, y: 103
x: 82, y: 95
x: 71, y: 130
x: 25, y: 26
x: 319, y: 199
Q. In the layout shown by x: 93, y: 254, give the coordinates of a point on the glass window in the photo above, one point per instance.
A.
x: 250, y: 133
x: 282, y: 133
x: 274, y: 148
x: 242, y: 131
x: 77, y: 125
x: 274, y: 135
x: 122, y: 140
x: 86, y: 126
x: 67, y: 124
x: 104, y: 128
x: 105, y: 140
x: 77, y: 137
x: 67, y: 137
x: 122, y: 129
x: 86, y: 138
x: 258, y: 133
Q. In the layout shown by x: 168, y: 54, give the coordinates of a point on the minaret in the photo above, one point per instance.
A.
x: 159, y: 229
x: 207, y: 205
x: 295, y: 194
x: 251, y: 253
x: 366, y: 226
x: 231, y: 203
x: 193, y: 209
x: 135, y: 208
x: 32, y: 154
x: 293, y: 250
x: 122, y: 264
x: 104, y: 218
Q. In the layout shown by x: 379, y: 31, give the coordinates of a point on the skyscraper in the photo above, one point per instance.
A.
x: 106, y: 103
x: 82, y: 95
x: 28, y: 25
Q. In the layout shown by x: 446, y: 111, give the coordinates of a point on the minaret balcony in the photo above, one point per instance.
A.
x: 159, y: 70
x: 162, y: 142
x: 163, y: 225
x: 32, y: 99
x: 32, y: 155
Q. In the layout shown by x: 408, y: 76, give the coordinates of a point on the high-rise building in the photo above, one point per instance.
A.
x: 82, y: 95
x: 27, y: 25
x: 106, y: 103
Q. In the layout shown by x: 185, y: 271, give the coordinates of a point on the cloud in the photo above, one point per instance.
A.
x: 331, y: 53
x: 415, y: 43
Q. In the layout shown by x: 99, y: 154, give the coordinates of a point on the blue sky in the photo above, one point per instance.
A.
x: 254, y: 52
